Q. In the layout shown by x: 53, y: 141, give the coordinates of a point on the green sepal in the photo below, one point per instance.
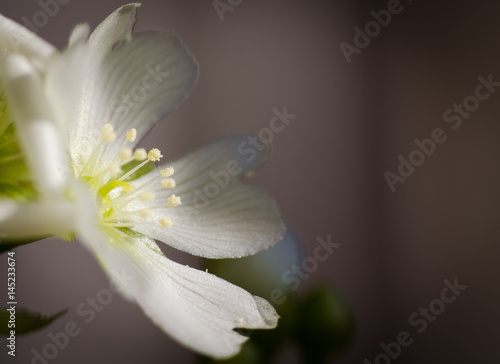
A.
x: 18, y: 190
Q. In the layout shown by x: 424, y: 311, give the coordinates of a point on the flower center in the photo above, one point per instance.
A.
x: 121, y: 203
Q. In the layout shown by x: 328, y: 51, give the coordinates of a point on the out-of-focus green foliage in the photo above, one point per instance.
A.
x: 26, y: 321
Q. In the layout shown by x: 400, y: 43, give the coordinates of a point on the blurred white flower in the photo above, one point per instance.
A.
x: 79, y: 114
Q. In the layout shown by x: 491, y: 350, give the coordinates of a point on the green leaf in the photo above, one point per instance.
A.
x: 325, y: 325
x: 26, y: 321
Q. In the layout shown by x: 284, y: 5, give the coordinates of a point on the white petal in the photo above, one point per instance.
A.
x: 35, y: 122
x: 36, y: 219
x: 65, y: 78
x: 79, y: 35
x: 196, y: 308
x: 135, y: 80
x: 219, y: 217
x: 115, y: 28
x: 15, y: 38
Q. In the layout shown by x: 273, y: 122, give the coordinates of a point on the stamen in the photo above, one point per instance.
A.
x: 131, y: 222
x: 174, y: 201
x: 107, y: 136
x: 131, y: 135
x: 114, y: 169
x: 107, y: 133
x: 125, y: 155
x: 145, y: 187
x: 168, y: 183
x: 107, y: 128
x: 113, y: 213
x: 167, y: 172
x: 166, y: 222
x: 154, y: 155
x: 133, y: 170
x: 140, y: 154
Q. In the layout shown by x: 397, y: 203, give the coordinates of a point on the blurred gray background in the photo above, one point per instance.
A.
x: 327, y: 171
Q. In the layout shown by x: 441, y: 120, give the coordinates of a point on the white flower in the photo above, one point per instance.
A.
x: 121, y: 202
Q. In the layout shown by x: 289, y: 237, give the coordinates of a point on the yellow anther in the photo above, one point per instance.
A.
x: 174, y: 201
x: 154, y: 155
x: 107, y: 129
x: 140, y: 154
x: 168, y: 183
x: 114, y: 169
x: 131, y: 135
x: 167, y: 172
x: 107, y: 133
x: 109, y: 137
x: 125, y: 154
x: 166, y: 222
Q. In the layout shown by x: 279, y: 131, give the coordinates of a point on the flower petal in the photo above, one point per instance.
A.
x: 219, y: 217
x: 35, y: 121
x: 15, y: 38
x: 196, y: 308
x: 115, y: 28
x: 63, y: 91
x: 28, y: 220
x: 135, y: 80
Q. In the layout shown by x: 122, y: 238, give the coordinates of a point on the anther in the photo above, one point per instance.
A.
x: 114, y: 169
x: 174, y: 201
x: 154, y: 155
x: 168, y: 183
x: 140, y: 154
x: 107, y: 128
x: 167, y: 172
x: 131, y: 135
x: 125, y: 154
x: 166, y: 222
x: 107, y: 133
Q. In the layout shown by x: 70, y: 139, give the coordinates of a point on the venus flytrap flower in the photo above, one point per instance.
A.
x: 116, y: 199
